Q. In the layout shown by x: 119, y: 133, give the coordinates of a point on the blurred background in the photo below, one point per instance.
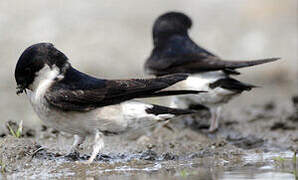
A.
x: 112, y: 39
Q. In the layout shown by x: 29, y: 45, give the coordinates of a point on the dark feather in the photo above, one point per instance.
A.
x: 181, y: 55
x: 81, y: 92
x: 158, y: 110
x: 175, y: 52
x: 173, y: 92
x: 231, y: 71
x: 232, y: 84
x: 197, y: 107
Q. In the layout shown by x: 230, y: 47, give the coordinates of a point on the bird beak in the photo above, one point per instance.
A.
x: 20, y: 89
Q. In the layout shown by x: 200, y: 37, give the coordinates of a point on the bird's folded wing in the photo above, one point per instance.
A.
x: 196, y: 63
x: 109, y: 92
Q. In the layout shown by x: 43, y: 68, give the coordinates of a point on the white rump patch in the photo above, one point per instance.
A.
x: 201, y: 82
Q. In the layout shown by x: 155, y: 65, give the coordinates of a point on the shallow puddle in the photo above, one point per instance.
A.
x: 253, y: 166
x: 239, y: 175
x: 275, y: 166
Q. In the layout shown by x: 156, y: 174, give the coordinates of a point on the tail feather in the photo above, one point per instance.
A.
x: 232, y: 84
x: 159, y: 110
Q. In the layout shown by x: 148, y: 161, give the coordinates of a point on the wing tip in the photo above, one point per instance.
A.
x: 273, y: 59
x: 248, y: 63
x: 159, y: 110
x: 263, y: 61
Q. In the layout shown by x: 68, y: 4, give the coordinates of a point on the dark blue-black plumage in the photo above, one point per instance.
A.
x: 175, y: 52
x: 73, y: 90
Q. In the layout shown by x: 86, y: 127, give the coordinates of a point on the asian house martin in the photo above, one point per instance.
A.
x: 71, y: 101
x: 175, y: 52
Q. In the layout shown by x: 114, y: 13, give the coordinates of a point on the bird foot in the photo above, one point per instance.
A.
x: 213, y: 129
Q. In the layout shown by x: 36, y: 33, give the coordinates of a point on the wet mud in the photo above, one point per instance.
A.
x: 263, y: 140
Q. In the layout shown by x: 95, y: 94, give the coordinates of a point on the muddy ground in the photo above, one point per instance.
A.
x: 262, y: 140
x: 258, y: 130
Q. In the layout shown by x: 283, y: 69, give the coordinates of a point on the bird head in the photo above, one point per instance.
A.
x: 169, y: 24
x: 33, y: 60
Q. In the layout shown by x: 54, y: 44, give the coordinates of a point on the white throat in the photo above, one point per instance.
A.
x: 44, y: 79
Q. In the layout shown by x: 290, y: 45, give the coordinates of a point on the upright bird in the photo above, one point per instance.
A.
x: 71, y: 101
x: 175, y: 52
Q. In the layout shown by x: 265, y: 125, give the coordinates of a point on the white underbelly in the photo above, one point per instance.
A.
x: 108, y: 118
x: 114, y: 118
x: 201, y: 82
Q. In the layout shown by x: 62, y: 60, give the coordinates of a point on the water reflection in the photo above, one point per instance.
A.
x: 239, y: 175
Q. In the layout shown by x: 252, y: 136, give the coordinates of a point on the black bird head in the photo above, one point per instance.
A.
x: 169, y: 24
x: 33, y: 59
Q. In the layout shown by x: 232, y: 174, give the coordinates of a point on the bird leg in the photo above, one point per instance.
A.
x: 78, y: 140
x: 215, y: 115
x: 97, y: 146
